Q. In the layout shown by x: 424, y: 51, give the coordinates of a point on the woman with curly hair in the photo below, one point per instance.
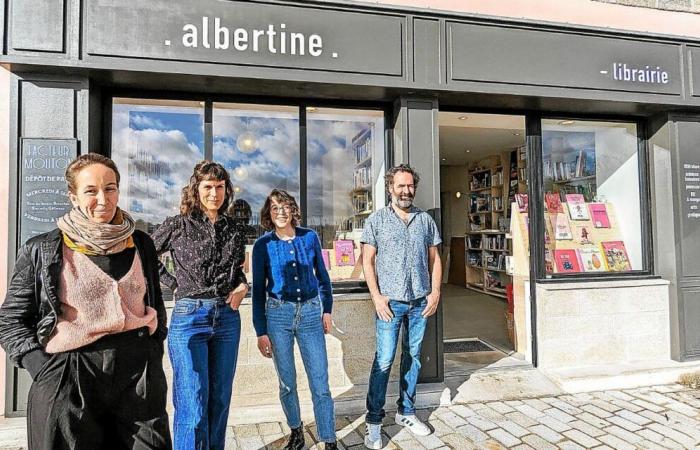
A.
x: 207, y: 248
x: 292, y: 300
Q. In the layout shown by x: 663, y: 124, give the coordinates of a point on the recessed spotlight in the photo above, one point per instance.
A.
x: 458, y: 194
x: 310, y: 109
x: 567, y: 122
x: 444, y: 159
x: 462, y: 117
x: 516, y: 134
x: 467, y: 151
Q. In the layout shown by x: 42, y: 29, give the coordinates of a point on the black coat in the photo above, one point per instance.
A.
x: 31, y: 308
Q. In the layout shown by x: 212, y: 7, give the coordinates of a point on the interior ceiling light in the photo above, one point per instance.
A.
x: 247, y: 142
x: 310, y: 109
x: 458, y: 194
x: 516, y: 134
x: 462, y: 117
x: 240, y: 174
x: 467, y: 151
x: 444, y: 159
x: 567, y: 122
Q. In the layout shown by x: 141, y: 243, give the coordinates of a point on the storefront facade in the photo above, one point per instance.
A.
x: 339, y: 93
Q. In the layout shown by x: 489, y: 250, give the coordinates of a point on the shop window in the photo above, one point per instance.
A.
x: 591, y: 197
x: 155, y: 145
x: 345, y: 152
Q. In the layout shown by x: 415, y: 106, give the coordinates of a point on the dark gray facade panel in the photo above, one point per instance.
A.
x: 48, y: 109
x: 688, y: 199
x: 229, y: 33
x: 493, y: 54
x: 426, y: 52
x: 690, y: 330
x: 37, y: 25
x: 693, y: 62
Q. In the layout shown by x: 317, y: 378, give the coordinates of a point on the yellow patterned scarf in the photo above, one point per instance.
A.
x: 91, y: 238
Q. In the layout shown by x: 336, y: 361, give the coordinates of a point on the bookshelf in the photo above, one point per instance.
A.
x: 486, y: 253
x: 361, y: 195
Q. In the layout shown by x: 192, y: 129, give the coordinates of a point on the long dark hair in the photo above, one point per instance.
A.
x: 205, y: 170
x: 283, y: 198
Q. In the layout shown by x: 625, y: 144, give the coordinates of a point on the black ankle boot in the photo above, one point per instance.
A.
x: 331, y: 446
x: 296, y: 439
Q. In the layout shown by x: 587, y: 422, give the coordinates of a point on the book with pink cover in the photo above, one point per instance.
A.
x: 553, y: 203
x: 582, y: 234
x: 326, y: 254
x: 591, y: 260
x: 344, y: 253
x: 561, y: 227
x: 577, y: 207
x: 566, y: 261
x: 599, y: 215
x: 616, y: 256
x: 521, y: 200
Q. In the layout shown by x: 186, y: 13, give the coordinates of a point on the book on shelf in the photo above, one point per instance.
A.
x: 582, y: 234
x: 344, y: 252
x: 553, y: 203
x: 591, y: 259
x: 493, y: 281
x: 362, y: 144
x: 497, y: 179
x: 616, y: 258
x: 548, y: 261
x: 474, y: 241
x: 497, y: 242
x: 479, y: 203
x: 361, y: 202
x: 474, y: 259
x: 566, y: 261
x: 496, y: 203
x: 561, y: 226
x: 521, y: 200
x: 326, y: 255
x: 577, y: 207
x: 599, y: 215
x: 362, y: 177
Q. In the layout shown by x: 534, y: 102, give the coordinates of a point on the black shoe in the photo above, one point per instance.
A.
x: 296, y: 439
x: 331, y: 446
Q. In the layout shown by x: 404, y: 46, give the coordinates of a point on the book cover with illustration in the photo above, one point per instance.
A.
x: 616, y: 256
x: 521, y: 199
x: 548, y: 261
x: 553, y: 203
x: 591, y: 260
x: 577, y: 207
x: 344, y: 253
x: 599, y: 215
x: 582, y: 234
x: 566, y: 261
x: 561, y: 227
x: 326, y: 254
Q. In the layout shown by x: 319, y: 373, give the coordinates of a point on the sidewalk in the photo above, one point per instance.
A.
x: 658, y: 417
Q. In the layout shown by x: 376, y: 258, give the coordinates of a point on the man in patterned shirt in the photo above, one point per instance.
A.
x: 403, y: 272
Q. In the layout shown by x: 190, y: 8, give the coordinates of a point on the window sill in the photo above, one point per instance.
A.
x: 560, y: 284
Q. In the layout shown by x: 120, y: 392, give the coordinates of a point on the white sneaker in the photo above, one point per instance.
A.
x: 373, y: 436
x: 413, y: 424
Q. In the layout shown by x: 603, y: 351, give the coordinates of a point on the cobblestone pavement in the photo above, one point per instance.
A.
x: 644, y: 418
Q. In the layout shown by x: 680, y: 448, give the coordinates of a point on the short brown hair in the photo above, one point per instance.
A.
x: 284, y: 198
x: 84, y: 161
x: 205, y: 170
x: 389, y: 177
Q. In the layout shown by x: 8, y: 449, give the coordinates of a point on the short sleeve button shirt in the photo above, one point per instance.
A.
x: 402, y: 262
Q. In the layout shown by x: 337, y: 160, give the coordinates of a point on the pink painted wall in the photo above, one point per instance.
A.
x: 578, y: 12
x: 4, y: 201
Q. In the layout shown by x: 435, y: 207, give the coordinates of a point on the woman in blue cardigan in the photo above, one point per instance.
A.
x: 292, y: 299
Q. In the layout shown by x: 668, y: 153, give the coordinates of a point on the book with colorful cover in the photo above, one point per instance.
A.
x: 548, y: 261
x: 582, y: 234
x: 591, y: 259
x: 599, y: 215
x: 553, y: 203
x: 577, y: 207
x: 566, y: 261
x: 326, y: 254
x: 344, y: 253
x: 616, y: 256
x: 561, y: 227
x: 521, y: 200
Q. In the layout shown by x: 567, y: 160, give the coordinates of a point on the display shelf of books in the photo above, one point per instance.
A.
x: 361, y: 195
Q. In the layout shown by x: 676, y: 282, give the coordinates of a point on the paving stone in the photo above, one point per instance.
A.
x: 649, y: 445
x: 500, y: 407
x: 440, y: 428
x: 410, y: 444
x: 559, y: 415
x: 463, y: 411
x: 624, y: 423
x: 246, y: 431
x: 682, y: 408
x: 453, y: 420
x: 603, y: 447
x: 581, y: 438
x: 656, y: 417
x: 547, y: 433
x: 491, y: 414
x: 522, y: 447
x: 536, y: 403
x: 457, y: 441
x: 692, y: 431
x: 650, y: 435
x: 430, y: 442
x: 567, y: 408
x: 268, y: 428
x: 616, y: 443
x: 623, y: 434
x: 529, y: 411
x: 251, y: 443
x: 537, y: 442
x: 587, y: 428
x: 593, y: 420
x: 621, y: 395
x: 625, y: 405
x: 596, y: 411
x: 682, y: 418
x: 554, y: 424
x: 521, y: 419
x: 633, y: 417
x: 648, y: 406
x: 513, y: 428
x: 512, y: 403
x: 677, y: 436
x: 504, y: 437
x: 481, y: 423
x: 352, y: 439
x: 490, y: 444
x: 568, y: 445
x: 472, y: 433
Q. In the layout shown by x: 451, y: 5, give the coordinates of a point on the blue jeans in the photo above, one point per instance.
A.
x: 285, y: 322
x: 203, y: 347
x: 407, y: 315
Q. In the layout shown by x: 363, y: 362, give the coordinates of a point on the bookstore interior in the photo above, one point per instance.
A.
x: 591, y: 206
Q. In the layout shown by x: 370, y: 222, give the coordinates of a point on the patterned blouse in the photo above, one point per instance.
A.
x: 208, y: 257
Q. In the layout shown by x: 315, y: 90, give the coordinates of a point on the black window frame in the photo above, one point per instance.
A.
x: 208, y: 100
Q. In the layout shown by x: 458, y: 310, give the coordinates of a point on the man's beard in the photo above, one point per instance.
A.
x: 403, y: 203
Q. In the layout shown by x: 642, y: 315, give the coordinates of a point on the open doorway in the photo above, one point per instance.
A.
x: 483, y: 171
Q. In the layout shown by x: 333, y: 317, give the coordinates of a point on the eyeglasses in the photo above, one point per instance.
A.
x: 276, y: 210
